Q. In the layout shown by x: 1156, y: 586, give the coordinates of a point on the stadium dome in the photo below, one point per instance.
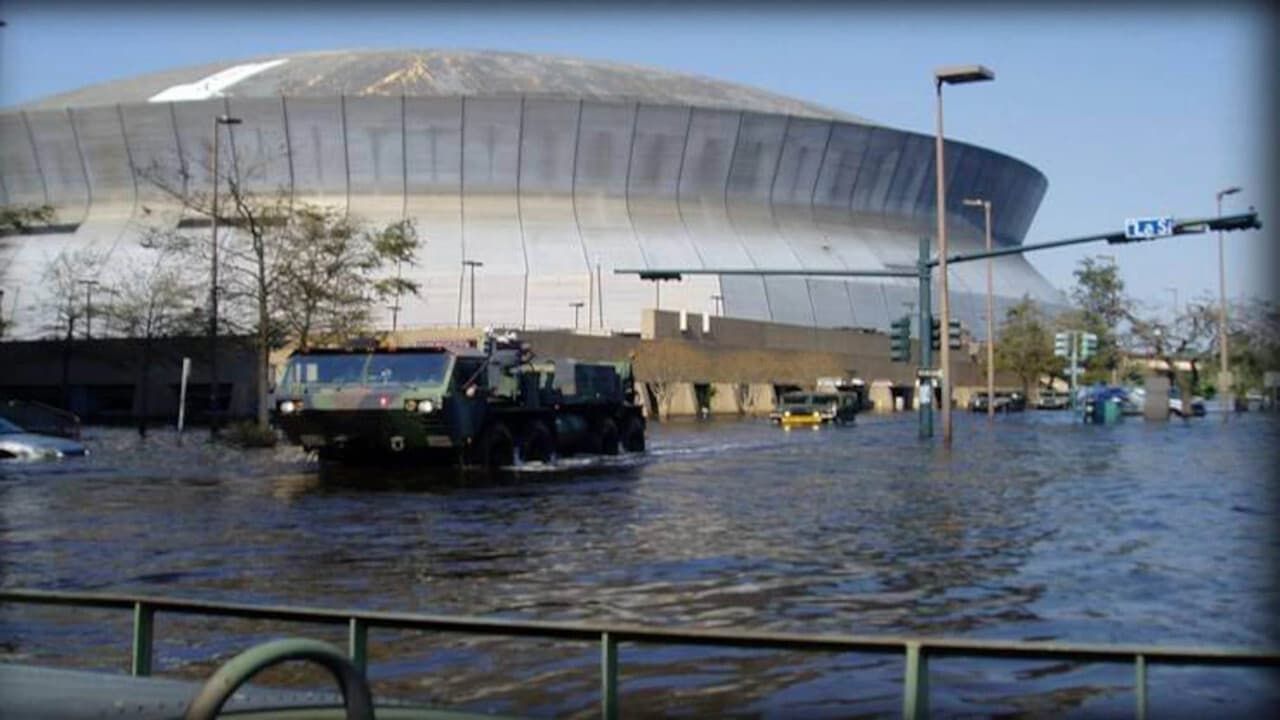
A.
x: 550, y: 171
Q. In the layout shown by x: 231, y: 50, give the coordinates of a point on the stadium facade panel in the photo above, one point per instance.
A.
x: 550, y: 192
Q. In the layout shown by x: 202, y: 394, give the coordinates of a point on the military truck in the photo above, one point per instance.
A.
x: 485, y: 402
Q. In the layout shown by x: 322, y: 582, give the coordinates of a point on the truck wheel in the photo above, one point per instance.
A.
x: 633, y: 436
x: 496, y: 448
x: 537, y: 445
x: 607, y: 435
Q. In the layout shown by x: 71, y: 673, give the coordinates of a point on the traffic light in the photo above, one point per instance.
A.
x: 1088, y: 345
x: 935, y: 334
x: 900, y: 339
x: 953, y: 337
x: 1062, y: 344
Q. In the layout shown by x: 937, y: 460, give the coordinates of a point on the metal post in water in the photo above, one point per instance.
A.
x: 182, y: 394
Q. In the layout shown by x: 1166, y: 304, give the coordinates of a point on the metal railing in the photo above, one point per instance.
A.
x: 917, y: 651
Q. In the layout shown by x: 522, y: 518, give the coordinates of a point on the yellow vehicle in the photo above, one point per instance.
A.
x: 799, y: 415
x: 802, y: 408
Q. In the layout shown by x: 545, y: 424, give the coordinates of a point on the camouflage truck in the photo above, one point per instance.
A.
x: 487, y: 406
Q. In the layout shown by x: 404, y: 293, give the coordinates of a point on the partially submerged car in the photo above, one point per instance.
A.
x: 802, y: 408
x: 18, y: 444
x: 1004, y: 401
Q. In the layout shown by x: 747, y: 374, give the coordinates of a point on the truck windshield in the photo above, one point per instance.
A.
x: 423, y: 368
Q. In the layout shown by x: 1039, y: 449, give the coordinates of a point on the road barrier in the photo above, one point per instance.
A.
x: 916, y: 651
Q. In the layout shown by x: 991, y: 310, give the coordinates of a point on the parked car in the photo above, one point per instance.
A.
x: 1005, y: 401
x: 1195, y: 408
x: 1053, y: 400
x: 18, y: 444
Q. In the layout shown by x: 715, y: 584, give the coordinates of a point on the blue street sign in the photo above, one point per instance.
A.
x: 1147, y: 228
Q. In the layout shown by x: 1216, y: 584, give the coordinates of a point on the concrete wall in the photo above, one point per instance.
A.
x: 104, y: 377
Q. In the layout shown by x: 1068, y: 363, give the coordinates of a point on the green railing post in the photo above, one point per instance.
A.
x: 143, y: 625
x: 358, y: 644
x: 608, y: 677
x: 915, y: 684
x: 1140, y: 686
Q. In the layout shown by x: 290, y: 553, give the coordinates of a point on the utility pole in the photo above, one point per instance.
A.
x: 1224, y: 371
x: 213, y: 284
x: 577, y: 305
x: 395, y: 312
x: 473, y: 264
x: 89, y: 285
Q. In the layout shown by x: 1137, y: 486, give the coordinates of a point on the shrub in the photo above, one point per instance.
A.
x: 247, y: 434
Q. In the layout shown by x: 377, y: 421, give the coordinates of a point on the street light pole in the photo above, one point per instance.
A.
x: 719, y: 301
x: 213, y: 283
x: 947, y: 76
x: 395, y: 314
x: 89, y: 285
x: 576, y: 305
x: 473, y: 264
x: 1224, y: 371
x: 991, y: 331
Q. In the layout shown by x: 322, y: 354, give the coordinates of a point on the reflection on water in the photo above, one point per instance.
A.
x: 1032, y: 527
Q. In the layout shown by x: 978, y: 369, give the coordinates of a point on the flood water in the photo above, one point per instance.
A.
x: 1031, y: 527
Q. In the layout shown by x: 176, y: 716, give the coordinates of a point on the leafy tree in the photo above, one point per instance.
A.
x: 285, y: 269
x: 18, y: 219
x: 1103, y: 307
x: 15, y: 220
x: 1253, y: 342
x: 1025, y: 347
x: 330, y: 280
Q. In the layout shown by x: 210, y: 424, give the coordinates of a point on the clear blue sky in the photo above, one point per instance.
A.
x: 1139, y: 110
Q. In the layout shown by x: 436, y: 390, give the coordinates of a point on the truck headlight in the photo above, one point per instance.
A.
x: 419, y: 406
x: 287, y: 407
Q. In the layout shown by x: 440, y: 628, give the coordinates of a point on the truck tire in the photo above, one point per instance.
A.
x: 496, y: 448
x: 607, y: 437
x: 537, y: 444
x: 633, y: 436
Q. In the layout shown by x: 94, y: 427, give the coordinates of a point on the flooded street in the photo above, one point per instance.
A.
x: 1032, y: 527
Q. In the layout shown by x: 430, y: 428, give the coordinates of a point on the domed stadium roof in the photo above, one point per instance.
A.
x: 435, y: 73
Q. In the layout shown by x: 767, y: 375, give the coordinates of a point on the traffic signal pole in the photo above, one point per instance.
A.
x: 924, y: 269
x: 924, y: 403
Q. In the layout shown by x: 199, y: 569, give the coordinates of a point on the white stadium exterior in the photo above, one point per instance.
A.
x: 552, y: 172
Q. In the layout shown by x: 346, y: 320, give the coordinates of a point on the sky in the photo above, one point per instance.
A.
x: 1136, y: 110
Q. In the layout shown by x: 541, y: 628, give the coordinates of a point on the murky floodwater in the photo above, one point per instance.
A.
x: 1033, y: 527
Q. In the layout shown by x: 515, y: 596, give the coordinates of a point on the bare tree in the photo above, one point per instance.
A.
x: 149, y: 301
x: 63, y: 282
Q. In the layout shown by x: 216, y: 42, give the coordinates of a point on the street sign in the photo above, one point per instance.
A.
x: 929, y: 373
x: 1148, y: 228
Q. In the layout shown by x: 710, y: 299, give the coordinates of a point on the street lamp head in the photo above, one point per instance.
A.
x: 227, y: 120
x: 1229, y: 191
x: 975, y: 202
x: 959, y: 74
